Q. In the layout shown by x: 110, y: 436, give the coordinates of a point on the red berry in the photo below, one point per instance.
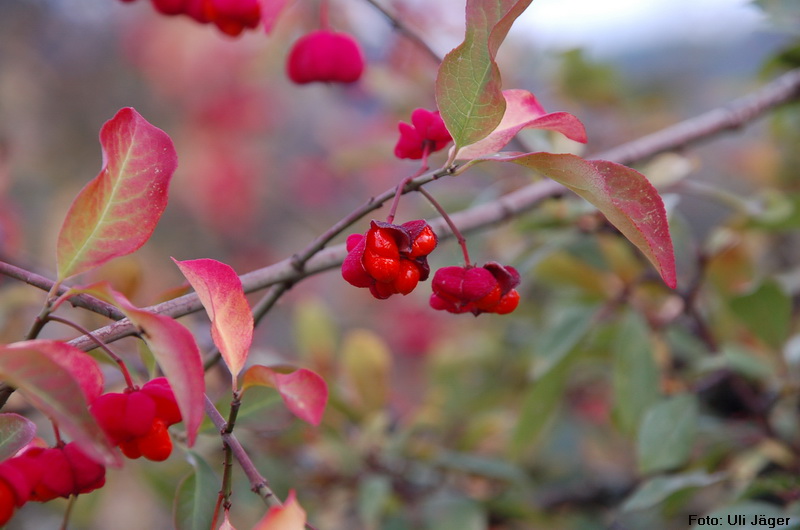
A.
x: 408, y: 278
x: 488, y: 302
x: 156, y: 445
x: 424, y: 243
x: 131, y: 449
x: 7, y: 502
x: 508, y: 303
x: 325, y: 56
x: 381, y: 255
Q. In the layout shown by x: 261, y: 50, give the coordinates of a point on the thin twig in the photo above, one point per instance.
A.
x: 316, y: 258
x: 409, y: 34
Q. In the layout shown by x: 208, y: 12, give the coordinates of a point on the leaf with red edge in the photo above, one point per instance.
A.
x: 304, y: 392
x: 83, y: 367
x: 622, y: 194
x: 116, y: 212
x: 52, y: 388
x: 270, y: 11
x: 174, y: 348
x: 290, y: 516
x: 468, y: 83
x: 15, y: 433
x: 523, y: 111
x: 220, y: 291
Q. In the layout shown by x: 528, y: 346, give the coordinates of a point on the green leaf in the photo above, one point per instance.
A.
x: 667, y: 433
x: 468, y: 85
x: 561, y: 336
x: 193, y: 507
x: 15, y: 433
x: 373, y: 493
x: 658, y: 489
x: 449, y: 512
x: 635, y: 377
x: 766, y: 312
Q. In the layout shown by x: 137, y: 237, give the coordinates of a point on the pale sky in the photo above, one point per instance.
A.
x: 609, y: 25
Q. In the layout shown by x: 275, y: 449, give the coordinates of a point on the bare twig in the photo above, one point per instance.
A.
x: 316, y: 258
x: 409, y: 34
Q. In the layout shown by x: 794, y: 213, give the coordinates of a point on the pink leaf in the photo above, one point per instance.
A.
x: 116, y: 212
x: 523, y: 111
x: 82, y: 366
x: 270, y: 11
x: 304, y: 392
x: 15, y: 433
x: 220, y: 291
x: 52, y: 388
x: 290, y: 516
x: 174, y: 348
x: 468, y: 83
x: 622, y: 194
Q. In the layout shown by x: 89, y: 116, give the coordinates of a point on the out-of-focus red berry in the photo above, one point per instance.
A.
x: 325, y: 56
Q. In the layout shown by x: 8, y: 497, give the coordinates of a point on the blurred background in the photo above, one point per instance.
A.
x: 537, y: 419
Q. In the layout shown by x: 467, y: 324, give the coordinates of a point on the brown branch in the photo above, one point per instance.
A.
x: 315, y: 258
x: 408, y: 33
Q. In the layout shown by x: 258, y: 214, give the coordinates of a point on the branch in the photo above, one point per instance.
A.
x: 402, y: 28
x: 315, y: 258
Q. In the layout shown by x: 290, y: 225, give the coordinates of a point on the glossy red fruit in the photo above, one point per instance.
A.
x: 408, y: 278
x: 325, y: 56
x: 157, y: 444
x: 487, y: 289
x: 508, y: 303
x: 424, y: 243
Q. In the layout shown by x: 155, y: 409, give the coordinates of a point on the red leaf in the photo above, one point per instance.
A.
x: 290, y: 516
x: 220, y: 291
x: 174, y: 348
x: 116, y: 212
x: 468, y: 83
x: 304, y: 392
x: 622, y: 194
x: 523, y: 111
x: 52, y: 388
x: 83, y: 367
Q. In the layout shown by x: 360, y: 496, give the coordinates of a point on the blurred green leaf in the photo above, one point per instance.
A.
x: 634, y: 371
x: 366, y: 361
x: 561, y: 336
x: 766, y: 312
x: 657, y: 489
x: 193, y: 507
x: 373, y: 493
x: 314, y: 331
x: 449, y: 512
x: 667, y: 433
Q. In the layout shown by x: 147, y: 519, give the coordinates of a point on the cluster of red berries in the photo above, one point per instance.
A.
x: 487, y: 289
x: 425, y: 132
x: 325, y: 56
x: 136, y: 420
x: 43, y: 474
x: 232, y: 17
x: 389, y: 259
